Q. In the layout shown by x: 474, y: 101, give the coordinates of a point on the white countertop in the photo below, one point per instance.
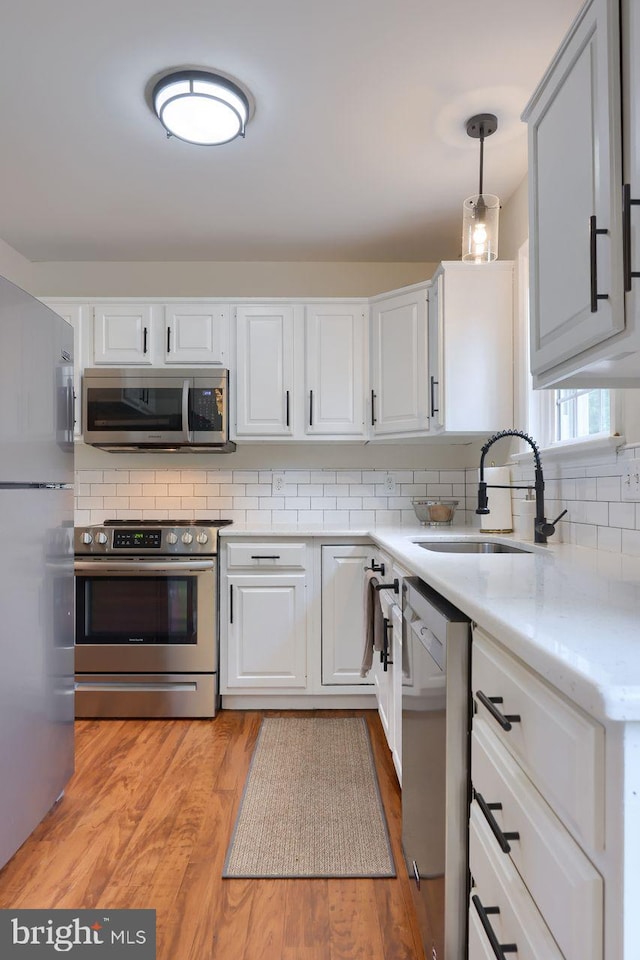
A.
x: 571, y: 613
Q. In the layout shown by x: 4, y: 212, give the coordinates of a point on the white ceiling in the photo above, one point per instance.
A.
x: 357, y: 149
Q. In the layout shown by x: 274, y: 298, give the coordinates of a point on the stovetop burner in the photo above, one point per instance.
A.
x: 167, y: 523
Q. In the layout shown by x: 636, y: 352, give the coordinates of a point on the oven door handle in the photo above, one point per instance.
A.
x: 140, y: 566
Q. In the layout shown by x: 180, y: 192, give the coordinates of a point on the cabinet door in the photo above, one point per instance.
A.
x: 266, y: 633
x: 436, y: 358
x: 265, y: 371
x: 383, y: 680
x: 575, y: 175
x: 196, y: 333
x: 399, y: 395
x: 396, y: 696
x: 343, y: 613
x: 122, y: 333
x: 335, y: 364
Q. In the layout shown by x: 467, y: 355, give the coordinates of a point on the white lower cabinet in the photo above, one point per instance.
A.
x: 501, y: 900
x: 343, y: 613
x: 292, y: 622
x: 537, y: 814
x: 266, y: 632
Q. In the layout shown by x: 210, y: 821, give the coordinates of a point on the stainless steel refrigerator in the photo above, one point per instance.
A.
x: 36, y: 563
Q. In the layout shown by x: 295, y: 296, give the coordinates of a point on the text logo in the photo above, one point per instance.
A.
x: 79, y: 934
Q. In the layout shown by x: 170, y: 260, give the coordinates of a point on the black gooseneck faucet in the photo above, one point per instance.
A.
x: 542, y: 528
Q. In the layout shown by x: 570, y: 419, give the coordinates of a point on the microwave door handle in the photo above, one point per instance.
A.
x: 186, y: 433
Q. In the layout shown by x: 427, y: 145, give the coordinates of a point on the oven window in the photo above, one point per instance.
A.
x: 134, y: 408
x: 140, y: 610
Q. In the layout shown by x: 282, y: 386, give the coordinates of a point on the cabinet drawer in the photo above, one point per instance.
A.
x: 561, y: 880
x: 512, y: 914
x: 559, y: 746
x: 266, y: 554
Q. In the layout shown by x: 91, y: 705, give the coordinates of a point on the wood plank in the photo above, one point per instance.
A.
x: 146, y: 821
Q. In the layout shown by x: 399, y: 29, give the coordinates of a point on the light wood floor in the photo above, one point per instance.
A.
x: 145, y: 822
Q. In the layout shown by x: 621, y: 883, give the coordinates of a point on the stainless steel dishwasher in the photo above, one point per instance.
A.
x: 435, y: 766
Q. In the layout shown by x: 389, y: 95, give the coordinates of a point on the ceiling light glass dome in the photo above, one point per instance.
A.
x: 200, y: 107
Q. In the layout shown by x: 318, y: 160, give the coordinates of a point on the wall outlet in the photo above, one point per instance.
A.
x: 630, y: 486
x: 389, y: 483
x: 277, y: 482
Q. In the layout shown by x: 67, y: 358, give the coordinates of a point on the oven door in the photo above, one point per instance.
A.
x: 145, y: 616
x: 122, y: 409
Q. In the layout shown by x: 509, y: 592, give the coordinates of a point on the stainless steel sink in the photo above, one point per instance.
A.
x: 469, y: 546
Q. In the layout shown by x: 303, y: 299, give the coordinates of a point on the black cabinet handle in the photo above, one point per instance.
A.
x: 502, y: 838
x: 376, y: 567
x: 434, y: 384
x: 627, y: 203
x: 594, y: 233
x: 230, y: 603
x: 395, y: 586
x: 384, y: 654
x: 287, y: 408
x: 373, y: 408
x: 145, y: 334
x: 498, y: 948
x: 505, y: 720
x: 168, y: 339
x: 265, y: 556
x: 310, y: 408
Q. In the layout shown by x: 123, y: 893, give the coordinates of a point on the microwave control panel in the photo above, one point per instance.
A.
x: 206, y: 408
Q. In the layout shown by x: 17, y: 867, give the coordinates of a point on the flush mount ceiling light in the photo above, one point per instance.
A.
x: 480, y: 212
x: 200, y: 107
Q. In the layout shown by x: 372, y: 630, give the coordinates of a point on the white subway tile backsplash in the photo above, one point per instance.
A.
x: 608, y: 488
x: 609, y: 539
x: 357, y: 498
x: 622, y: 515
x: 631, y: 542
x: 245, y: 476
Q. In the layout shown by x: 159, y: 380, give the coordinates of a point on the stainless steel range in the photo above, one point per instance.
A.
x: 147, y: 618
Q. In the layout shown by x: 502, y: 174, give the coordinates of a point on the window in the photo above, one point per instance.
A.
x: 581, y: 413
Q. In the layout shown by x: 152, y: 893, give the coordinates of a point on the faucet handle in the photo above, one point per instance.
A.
x: 548, y: 529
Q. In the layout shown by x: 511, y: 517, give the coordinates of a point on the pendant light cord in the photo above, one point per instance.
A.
x: 481, y: 157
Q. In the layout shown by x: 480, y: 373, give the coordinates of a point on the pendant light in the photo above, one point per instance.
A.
x: 200, y: 107
x: 480, y: 212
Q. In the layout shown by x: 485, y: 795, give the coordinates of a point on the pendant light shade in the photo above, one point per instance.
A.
x: 200, y: 107
x: 481, y: 211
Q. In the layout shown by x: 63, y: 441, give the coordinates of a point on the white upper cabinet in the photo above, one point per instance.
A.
x: 122, y: 333
x: 582, y: 148
x: 301, y: 371
x: 471, y: 347
x: 196, y: 333
x: 399, y: 364
x: 265, y: 374
x: 335, y: 348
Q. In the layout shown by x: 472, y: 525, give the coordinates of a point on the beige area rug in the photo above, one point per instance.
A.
x: 311, y: 805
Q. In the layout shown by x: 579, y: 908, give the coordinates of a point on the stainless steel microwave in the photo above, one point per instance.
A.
x: 156, y: 409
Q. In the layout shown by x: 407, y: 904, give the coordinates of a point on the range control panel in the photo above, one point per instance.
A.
x: 140, y: 539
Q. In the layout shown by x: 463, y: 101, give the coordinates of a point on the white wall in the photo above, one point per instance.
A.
x: 239, y: 279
